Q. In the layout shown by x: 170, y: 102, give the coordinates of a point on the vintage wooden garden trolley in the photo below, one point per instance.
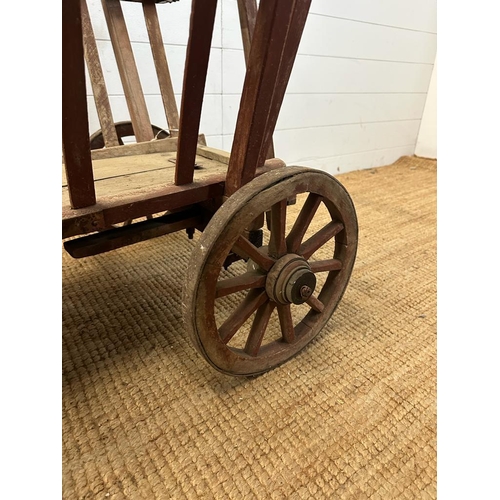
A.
x: 250, y: 257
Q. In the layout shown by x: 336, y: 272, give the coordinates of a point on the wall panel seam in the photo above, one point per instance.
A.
x: 372, y: 23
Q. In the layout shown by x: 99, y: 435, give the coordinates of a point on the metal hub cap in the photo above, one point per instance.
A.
x: 290, y: 281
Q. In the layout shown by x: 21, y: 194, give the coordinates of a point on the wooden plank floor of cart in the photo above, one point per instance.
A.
x: 138, y: 179
x: 121, y: 176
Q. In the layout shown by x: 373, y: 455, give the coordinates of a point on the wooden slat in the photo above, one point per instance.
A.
x: 161, y: 65
x: 97, y: 80
x: 128, y: 71
x: 140, y: 148
x: 75, y: 125
x: 195, y: 74
x: 213, y: 153
x: 247, y: 10
x: 271, y: 29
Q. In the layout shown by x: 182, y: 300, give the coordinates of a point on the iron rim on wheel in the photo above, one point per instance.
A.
x: 278, y: 277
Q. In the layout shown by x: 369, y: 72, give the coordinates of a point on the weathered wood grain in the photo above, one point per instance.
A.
x: 128, y: 70
x: 161, y: 65
x: 195, y: 74
x: 96, y: 76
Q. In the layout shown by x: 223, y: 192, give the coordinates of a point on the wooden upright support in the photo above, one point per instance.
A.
x: 195, y: 75
x: 278, y: 29
x: 247, y: 10
x: 75, y: 124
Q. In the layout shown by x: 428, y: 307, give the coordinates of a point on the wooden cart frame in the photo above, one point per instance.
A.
x: 229, y: 197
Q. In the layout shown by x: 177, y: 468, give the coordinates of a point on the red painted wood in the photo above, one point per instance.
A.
x: 195, y: 75
x: 75, y: 125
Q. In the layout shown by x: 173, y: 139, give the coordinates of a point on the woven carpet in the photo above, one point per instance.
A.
x: 353, y: 416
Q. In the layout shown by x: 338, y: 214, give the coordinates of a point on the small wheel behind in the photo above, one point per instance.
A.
x: 268, y: 306
x: 123, y: 129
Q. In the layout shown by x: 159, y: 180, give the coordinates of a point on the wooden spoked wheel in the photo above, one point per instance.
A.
x: 265, y: 308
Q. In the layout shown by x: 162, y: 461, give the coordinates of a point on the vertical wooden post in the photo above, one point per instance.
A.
x: 247, y: 10
x: 195, y: 75
x: 289, y: 52
x: 278, y: 30
x: 75, y: 123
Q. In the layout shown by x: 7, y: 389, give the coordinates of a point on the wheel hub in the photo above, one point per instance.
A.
x: 290, y: 281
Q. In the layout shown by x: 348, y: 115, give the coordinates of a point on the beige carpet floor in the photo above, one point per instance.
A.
x: 353, y: 416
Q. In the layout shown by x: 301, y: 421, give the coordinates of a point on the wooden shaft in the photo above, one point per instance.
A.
x: 195, y: 75
x: 97, y: 80
x: 289, y: 52
x: 247, y: 10
x: 161, y: 65
x: 75, y: 124
x: 128, y: 70
x: 273, y: 19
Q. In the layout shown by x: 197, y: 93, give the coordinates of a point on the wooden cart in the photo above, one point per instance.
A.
x: 250, y: 257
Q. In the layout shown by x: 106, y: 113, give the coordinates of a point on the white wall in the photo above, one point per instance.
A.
x: 427, y: 135
x: 357, y: 91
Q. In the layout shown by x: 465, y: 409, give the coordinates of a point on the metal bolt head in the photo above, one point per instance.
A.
x: 300, y: 286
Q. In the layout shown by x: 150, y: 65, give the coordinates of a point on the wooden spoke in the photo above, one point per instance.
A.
x: 277, y: 243
x: 320, y: 238
x: 315, y: 303
x: 244, y: 282
x: 259, y: 327
x: 325, y: 265
x: 307, y: 212
x: 248, y: 250
x: 253, y: 300
x: 286, y: 322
